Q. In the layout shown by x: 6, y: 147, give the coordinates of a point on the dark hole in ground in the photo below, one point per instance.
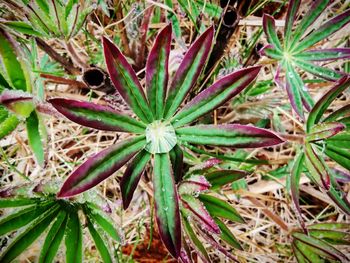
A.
x: 94, y: 77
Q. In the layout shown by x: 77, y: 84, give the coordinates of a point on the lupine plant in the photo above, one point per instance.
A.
x: 296, y: 50
x: 36, y: 207
x: 61, y: 19
x: 320, y: 244
x: 201, y: 212
x: 161, y: 128
x: 327, y: 136
x: 17, y: 99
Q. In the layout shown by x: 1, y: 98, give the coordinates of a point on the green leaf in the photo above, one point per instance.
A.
x: 26, y: 238
x: 323, y: 131
x: 18, y: 201
x: 132, y: 176
x: 53, y: 238
x: 99, y: 218
x: 173, y: 18
x: 219, y: 178
x: 22, y: 27
x: 293, y: 7
x: 220, y: 208
x: 322, y: 72
x: 176, y: 158
x: 8, y: 122
x: 73, y: 239
x: 322, y: 105
x: 341, y: 140
x: 35, y: 138
x: 341, y: 156
x: 270, y: 31
x: 194, y: 240
x: 166, y: 203
x: 101, y: 246
x: 294, y: 85
x: 327, y: 29
x: 313, y: 13
x: 227, y: 235
x: 295, y: 175
x: 13, y: 71
x: 23, y: 217
x: 331, y: 236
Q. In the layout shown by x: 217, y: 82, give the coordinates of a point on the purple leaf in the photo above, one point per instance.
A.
x: 132, y: 176
x: 125, y: 80
x: 322, y: 105
x: 324, y: 54
x: 189, y: 70
x: 97, y: 116
x: 197, y: 208
x: 157, y: 71
x: 100, y: 166
x: 216, y: 95
x: 270, y: 31
x: 166, y: 204
x: 231, y: 135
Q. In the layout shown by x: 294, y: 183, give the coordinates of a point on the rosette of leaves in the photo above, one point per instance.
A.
x: 297, y: 51
x: 36, y: 212
x: 57, y: 18
x: 202, y: 213
x: 319, y: 244
x: 328, y: 137
x: 16, y: 100
x: 160, y: 128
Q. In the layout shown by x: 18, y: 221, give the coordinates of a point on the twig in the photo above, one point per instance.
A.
x: 69, y: 67
x: 61, y: 80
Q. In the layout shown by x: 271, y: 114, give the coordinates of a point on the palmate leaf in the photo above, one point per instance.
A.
x: 220, y: 178
x: 325, y: 130
x: 270, y: 30
x: 26, y: 238
x: 53, y: 238
x: 132, y: 176
x: 157, y: 71
x: 231, y: 135
x: 188, y: 72
x: 97, y: 116
x: 100, y: 166
x: 216, y: 95
x: 166, y: 204
x: 22, y: 27
x: 125, y: 80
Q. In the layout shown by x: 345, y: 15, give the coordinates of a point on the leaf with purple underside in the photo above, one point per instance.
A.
x: 329, y: 251
x: 201, y: 214
x: 216, y: 95
x: 188, y: 72
x: 308, y: 19
x: 209, y: 238
x: 18, y: 101
x: 323, y: 131
x: 166, y: 204
x: 125, y: 80
x: 322, y: 72
x: 97, y: 116
x: 341, y: 176
x: 157, y: 72
x: 100, y: 166
x: 176, y: 158
x: 327, y: 29
x: 322, y: 105
x: 132, y: 176
x: 324, y: 54
x: 220, y: 178
x: 220, y: 208
x: 317, y: 167
x: 231, y: 135
x: 270, y: 31
x: 193, y: 185
x: 293, y: 8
